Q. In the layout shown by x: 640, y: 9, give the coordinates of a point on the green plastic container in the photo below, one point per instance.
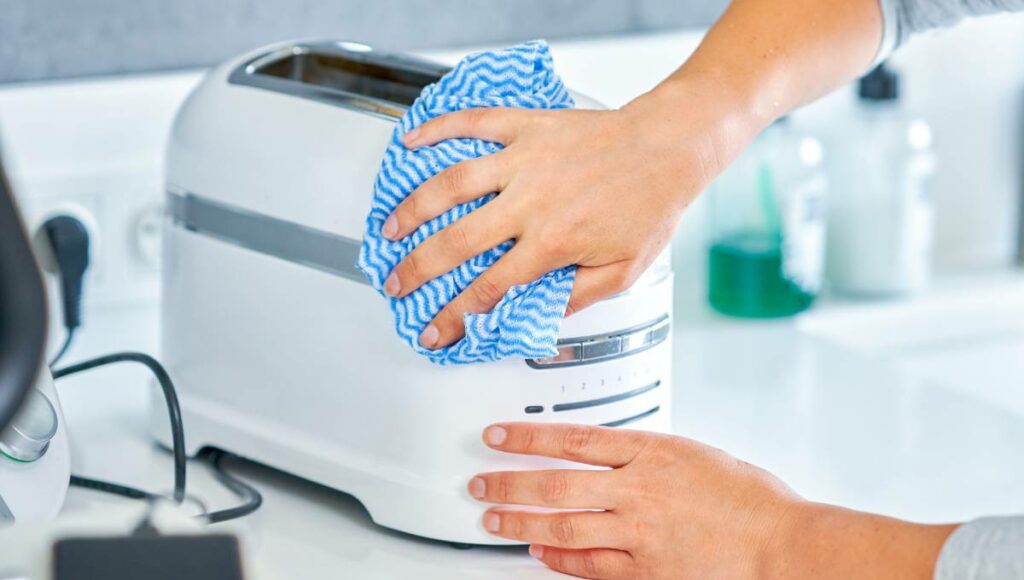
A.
x: 766, y: 254
x: 746, y: 279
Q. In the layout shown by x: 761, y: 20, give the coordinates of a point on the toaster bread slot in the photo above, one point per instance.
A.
x: 344, y: 74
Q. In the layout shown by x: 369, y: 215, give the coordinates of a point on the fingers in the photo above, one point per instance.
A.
x: 562, y: 488
x: 596, y: 283
x: 581, y: 443
x: 470, y: 236
x: 518, y: 266
x: 593, y: 563
x: 560, y: 529
x: 458, y: 184
x: 497, y: 124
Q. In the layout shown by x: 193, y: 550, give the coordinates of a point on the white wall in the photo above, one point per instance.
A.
x: 101, y: 141
x: 968, y: 83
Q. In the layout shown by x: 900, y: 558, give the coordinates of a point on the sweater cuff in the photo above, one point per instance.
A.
x: 890, y: 31
x: 985, y: 549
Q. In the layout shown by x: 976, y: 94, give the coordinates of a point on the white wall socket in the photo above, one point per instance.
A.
x: 121, y: 213
x: 93, y: 149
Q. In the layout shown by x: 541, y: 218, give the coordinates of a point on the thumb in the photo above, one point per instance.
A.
x: 595, y: 283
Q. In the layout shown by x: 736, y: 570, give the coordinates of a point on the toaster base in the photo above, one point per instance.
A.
x: 436, y: 507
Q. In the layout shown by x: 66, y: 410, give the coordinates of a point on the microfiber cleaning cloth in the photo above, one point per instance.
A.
x: 526, y: 321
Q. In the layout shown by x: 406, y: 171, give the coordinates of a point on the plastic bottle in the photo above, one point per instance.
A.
x: 768, y: 227
x: 880, y: 213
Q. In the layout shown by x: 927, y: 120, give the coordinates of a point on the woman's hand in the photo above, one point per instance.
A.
x: 673, y: 508
x: 603, y: 190
x: 669, y: 507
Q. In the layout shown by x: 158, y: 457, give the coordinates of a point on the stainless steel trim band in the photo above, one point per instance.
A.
x: 296, y: 243
x: 590, y: 349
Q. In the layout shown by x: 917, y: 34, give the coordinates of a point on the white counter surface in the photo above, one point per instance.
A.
x: 839, y: 423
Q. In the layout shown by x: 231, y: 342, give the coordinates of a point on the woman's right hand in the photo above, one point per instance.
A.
x: 603, y: 190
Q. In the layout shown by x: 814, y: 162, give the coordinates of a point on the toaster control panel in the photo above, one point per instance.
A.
x: 591, y: 349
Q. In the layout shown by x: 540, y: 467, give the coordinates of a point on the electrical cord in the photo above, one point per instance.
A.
x: 145, y: 527
x: 214, y: 457
x: 170, y: 397
x: 252, y: 499
x: 111, y: 488
x: 69, y: 242
x: 68, y: 337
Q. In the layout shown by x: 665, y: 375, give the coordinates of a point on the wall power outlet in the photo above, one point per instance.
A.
x: 93, y: 149
x: 122, y: 213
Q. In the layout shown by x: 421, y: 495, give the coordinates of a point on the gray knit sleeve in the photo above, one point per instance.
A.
x: 904, y: 18
x: 985, y: 549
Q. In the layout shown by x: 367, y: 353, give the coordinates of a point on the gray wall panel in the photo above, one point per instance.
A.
x: 42, y: 39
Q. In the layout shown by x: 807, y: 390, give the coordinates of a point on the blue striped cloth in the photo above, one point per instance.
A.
x: 526, y: 321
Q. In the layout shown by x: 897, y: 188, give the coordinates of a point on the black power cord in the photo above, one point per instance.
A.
x: 252, y: 499
x: 170, y: 397
x: 69, y: 336
x: 69, y: 241
x: 112, y: 488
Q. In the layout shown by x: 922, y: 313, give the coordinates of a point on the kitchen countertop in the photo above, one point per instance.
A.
x: 838, y: 423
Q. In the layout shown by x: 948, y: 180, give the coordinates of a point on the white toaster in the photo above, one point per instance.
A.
x: 283, y: 353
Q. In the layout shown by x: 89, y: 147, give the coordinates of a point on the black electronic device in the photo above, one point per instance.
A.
x: 22, y: 308
x: 153, y: 557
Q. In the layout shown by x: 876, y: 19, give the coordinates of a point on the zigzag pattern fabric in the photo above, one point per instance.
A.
x: 526, y: 321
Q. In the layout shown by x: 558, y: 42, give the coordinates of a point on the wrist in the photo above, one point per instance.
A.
x: 819, y: 540
x: 741, y: 101
x: 779, y: 553
x: 691, y: 115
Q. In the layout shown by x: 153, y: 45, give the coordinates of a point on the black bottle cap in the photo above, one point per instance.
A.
x: 880, y: 84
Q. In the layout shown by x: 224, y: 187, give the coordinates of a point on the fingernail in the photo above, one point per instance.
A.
x: 495, y: 435
x: 390, y: 227
x: 477, y: 487
x: 411, y: 135
x: 492, y: 523
x: 392, y: 286
x: 537, y: 551
x: 430, y: 336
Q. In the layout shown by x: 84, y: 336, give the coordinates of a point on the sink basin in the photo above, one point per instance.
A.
x: 965, y: 336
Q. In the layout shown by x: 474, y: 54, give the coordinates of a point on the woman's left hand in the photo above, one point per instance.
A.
x: 670, y: 507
